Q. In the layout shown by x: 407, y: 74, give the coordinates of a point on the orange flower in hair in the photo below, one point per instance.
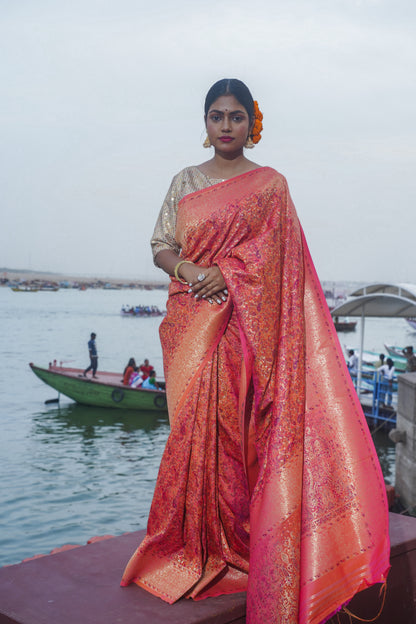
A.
x: 258, y: 126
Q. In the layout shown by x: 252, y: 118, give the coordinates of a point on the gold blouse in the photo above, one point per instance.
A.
x: 186, y: 181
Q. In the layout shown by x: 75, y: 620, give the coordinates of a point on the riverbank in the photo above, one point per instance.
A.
x: 25, y: 277
x: 47, y: 280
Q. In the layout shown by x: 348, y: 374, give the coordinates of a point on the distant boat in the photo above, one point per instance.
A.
x: 25, y: 289
x: 395, y: 351
x: 412, y: 322
x: 344, y: 326
x: 332, y: 300
x: 105, y: 391
x: 142, y: 311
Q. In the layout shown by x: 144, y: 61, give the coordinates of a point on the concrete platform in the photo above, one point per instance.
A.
x: 81, y: 586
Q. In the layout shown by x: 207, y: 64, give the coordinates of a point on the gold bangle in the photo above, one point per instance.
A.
x: 177, y: 267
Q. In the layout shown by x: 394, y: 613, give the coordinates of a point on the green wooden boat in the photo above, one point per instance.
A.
x: 105, y: 391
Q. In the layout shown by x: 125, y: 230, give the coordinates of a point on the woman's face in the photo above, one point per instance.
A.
x: 228, y: 125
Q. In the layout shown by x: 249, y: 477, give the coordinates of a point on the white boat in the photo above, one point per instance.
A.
x: 395, y: 351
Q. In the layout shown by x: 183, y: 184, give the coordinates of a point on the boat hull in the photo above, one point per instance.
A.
x: 345, y: 326
x: 106, y: 391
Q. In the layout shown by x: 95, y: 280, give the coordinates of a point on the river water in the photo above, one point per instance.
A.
x: 70, y: 472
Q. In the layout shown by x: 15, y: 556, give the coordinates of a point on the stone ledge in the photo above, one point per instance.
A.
x: 81, y: 586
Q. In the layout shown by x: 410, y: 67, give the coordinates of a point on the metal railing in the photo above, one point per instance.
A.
x: 378, y: 395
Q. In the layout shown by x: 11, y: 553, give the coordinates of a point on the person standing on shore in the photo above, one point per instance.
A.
x: 92, y: 350
x: 352, y: 362
x: 386, y: 375
x: 269, y: 482
x: 411, y: 359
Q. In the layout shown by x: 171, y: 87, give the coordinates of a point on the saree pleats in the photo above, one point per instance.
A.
x: 269, y: 481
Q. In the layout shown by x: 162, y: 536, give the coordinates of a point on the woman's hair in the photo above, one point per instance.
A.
x: 230, y: 86
x: 390, y: 362
x: 132, y: 363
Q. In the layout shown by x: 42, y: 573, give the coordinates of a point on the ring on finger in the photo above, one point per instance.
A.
x: 201, y: 277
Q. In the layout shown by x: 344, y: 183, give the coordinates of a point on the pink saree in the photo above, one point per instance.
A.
x: 269, y: 481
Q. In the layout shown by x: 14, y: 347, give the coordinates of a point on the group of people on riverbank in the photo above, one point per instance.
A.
x: 385, y: 372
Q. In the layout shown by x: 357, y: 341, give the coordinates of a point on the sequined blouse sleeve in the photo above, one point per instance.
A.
x: 188, y: 180
x: 164, y: 232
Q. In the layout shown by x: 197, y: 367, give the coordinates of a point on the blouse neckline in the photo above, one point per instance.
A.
x: 210, y: 180
x: 219, y: 180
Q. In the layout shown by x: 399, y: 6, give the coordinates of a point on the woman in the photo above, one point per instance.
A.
x: 128, y: 371
x: 252, y: 493
x: 136, y: 379
x: 146, y: 369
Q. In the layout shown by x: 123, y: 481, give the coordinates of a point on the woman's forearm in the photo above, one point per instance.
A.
x: 205, y: 282
x: 167, y: 261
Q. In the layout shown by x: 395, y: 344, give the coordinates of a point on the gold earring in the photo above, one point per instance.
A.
x: 207, y: 142
x: 249, y: 143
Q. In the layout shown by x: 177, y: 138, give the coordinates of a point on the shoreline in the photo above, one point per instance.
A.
x: 28, y: 277
x: 25, y: 277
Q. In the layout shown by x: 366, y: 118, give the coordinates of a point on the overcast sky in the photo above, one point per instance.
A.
x: 101, y: 103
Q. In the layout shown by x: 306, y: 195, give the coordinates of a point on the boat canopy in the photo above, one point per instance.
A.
x: 382, y: 300
x: 377, y: 300
x: 405, y: 290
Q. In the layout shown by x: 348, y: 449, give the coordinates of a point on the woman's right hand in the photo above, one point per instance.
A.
x: 212, y: 288
x: 189, y: 272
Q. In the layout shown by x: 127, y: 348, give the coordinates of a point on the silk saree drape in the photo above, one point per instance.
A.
x: 269, y: 481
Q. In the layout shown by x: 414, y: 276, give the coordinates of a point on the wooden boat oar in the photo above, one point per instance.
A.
x: 48, y: 401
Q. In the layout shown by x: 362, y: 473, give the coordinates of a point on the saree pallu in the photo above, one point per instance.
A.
x: 269, y: 481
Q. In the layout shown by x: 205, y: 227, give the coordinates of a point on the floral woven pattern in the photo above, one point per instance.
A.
x: 269, y: 480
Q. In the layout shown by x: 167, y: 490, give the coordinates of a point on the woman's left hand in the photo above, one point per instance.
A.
x: 212, y: 287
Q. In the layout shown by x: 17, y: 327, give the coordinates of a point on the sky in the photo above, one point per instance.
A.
x: 101, y: 103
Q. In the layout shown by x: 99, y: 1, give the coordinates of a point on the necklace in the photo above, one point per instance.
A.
x: 210, y: 180
x: 214, y: 180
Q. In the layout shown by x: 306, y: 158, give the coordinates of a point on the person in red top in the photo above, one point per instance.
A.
x: 146, y: 369
x: 130, y: 368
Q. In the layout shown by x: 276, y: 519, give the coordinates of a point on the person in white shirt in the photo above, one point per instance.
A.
x: 136, y: 378
x: 352, y: 362
x: 386, y: 374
